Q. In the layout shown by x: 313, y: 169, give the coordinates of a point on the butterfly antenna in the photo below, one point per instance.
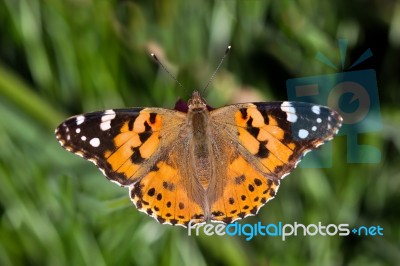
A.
x: 166, y: 70
x: 216, y: 70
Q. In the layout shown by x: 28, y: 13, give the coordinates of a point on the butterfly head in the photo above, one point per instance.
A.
x: 197, y: 103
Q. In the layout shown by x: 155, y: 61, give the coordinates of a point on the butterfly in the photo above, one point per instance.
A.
x: 195, y: 163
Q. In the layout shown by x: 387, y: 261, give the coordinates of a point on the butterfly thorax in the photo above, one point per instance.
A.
x: 199, y: 143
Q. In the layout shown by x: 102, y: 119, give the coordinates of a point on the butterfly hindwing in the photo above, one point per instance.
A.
x: 165, y: 194
x: 245, y: 191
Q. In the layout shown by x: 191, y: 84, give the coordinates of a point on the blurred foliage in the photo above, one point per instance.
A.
x: 64, y: 57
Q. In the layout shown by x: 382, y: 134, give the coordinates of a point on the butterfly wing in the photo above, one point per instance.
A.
x: 139, y: 148
x: 120, y: 142
x: 264, y: 143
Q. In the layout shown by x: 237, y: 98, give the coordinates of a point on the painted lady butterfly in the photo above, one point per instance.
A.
x: 198, y: 163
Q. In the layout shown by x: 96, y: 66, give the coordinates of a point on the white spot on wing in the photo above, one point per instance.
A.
x: 291, y: 117
x: 106, y: 120
x: 303, y: 133
x: 285, y: 175
x: 319, y: 120
x: 78, y: 130
x: 316, y: 109
x: 319, y: 144
x: 83, y: 138
x: 110, y: 113
x: 95, y: 142
x: 297, y: 163
x: 105, y: 125
x: 314, y: 128
x: 305, y: 152
x: 115, y: 182
x: 290, y: 111
x: 80, y: 119
x: 93, y: 161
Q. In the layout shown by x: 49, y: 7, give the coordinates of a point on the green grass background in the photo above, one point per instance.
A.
x: 63, y: 57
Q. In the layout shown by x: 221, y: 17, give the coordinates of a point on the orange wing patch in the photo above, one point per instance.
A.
x: 245, y: 192
x: 162, y: 193
x: 137, y: 141
x: 261, y: 135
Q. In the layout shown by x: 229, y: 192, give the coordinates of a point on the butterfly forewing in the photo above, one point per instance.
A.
x: 120, y: 142
x: 278, y: 134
